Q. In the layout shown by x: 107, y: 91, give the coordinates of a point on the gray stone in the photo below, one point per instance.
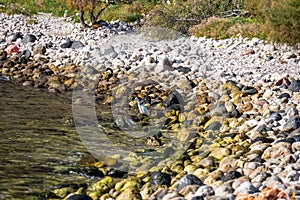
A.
x: 160, y: 178
x: 39, y: 49
x: 292, y: 124
x: 79, y: 197
x: 67, y: 44
x: 249, y: 90
x: 16, y: 36
x: 29, y: 38
x: 204, y: 191
x: 245, y: 188
x: 188, y: 179
x: 164, y: 64
x: 77, y: 44
x: 275, y: 116
x: 215, y: 126
x: 224, y: 189
x: 295, y: 86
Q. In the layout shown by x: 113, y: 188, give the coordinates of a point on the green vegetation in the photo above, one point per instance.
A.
x: 128, y: 12
x: 222, y: 28
x: 184, y: 14
x: 275, y: 20
x: 30, y: 7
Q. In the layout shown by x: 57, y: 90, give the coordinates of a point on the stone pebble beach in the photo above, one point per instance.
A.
x: 240, y: 114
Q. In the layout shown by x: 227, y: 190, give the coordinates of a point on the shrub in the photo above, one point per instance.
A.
x: 183, y: 14
x: 128, y: 12
x: 222, y: 28
x: 283, y: 21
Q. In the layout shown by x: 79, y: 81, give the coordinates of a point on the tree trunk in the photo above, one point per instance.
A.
x: 92, y: 17
x: 82, y: 19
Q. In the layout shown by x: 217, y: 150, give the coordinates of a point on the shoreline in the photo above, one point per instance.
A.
x: 244, y: 92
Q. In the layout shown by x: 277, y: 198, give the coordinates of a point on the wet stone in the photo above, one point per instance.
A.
x: 214, y: 126
x: 89, y: 171
x: 188, y: 179
x: 116, y: 173
x: 79, y: 197
x: 160, y: 178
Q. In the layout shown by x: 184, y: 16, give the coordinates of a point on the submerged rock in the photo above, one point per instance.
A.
x: 79, y: 197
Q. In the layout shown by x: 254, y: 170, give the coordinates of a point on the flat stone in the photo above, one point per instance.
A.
x: 77, y: 44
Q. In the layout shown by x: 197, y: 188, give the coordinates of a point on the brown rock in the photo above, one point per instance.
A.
x: 283, y: 81
x: 129, y: 194
x: 248, y: 52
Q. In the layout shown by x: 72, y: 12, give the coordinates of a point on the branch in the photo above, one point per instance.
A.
x: 102, y: 9
x: 191, y: 20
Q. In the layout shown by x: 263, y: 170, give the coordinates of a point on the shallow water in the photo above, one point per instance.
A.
x: 35, y: 142
x: 39, y: 151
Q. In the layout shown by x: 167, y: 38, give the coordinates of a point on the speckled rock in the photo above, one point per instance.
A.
x: 188, y: 179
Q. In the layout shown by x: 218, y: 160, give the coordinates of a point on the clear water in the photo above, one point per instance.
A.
x: 35, y: 143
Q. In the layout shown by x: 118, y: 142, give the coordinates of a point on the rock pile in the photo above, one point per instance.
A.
x: 235, y: 102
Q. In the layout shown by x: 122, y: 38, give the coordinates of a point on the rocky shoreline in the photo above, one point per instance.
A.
x: 234, y: 103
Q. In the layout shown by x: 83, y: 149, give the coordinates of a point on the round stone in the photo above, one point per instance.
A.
x: 188, y: 179
x: 294, y: 86
x: 160, y: 178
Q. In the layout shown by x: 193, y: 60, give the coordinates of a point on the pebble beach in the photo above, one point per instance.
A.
x: 232, y: 104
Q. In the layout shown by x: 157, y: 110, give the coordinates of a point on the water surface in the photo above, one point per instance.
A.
x: 35, y: 142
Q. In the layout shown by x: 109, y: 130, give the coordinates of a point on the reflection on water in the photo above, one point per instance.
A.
x: 35, y: 142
